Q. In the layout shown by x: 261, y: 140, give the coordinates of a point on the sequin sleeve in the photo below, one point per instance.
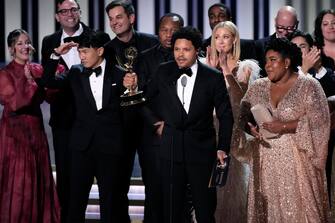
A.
x: 313, y: 128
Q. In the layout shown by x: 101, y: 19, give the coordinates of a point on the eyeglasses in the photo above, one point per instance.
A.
x: 287, y: 28
x: 65, y: 12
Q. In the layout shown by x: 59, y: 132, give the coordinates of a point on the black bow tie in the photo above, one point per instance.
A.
x: 187, y: 71
x: 96, y: 70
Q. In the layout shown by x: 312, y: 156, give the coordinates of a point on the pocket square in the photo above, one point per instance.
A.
x: 114, y: 84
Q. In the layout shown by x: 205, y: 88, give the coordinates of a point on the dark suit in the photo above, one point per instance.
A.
x: 248, y: 48
x: 96, y: 142
x: 188, y: 144
x: 61, y: 119
x: 116, y: 48
x: 149, y: 62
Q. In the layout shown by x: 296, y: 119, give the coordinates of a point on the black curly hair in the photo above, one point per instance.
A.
x: 318, y: 36
x: 286, y: 49
x: 190, y: 33
x: 298, y: 33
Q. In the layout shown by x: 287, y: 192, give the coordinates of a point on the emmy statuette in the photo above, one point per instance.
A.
x: 131, y: 96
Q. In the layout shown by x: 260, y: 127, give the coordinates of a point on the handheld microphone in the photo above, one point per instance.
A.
x: 183, y: 83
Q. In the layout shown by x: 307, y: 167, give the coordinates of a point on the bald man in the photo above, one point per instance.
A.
x: 286, y: 22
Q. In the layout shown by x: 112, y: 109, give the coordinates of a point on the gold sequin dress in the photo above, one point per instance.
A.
x: 287, y: 181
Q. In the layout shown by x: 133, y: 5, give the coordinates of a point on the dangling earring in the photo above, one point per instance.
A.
x: 286, y: 67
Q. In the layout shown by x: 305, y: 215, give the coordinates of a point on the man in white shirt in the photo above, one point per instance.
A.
x: 189, y: 91
x: 96, y: 138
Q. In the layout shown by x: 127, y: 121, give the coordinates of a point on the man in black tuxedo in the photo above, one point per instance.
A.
x: 96, y: 139
x: 217, y: 13
x: 121, y: 14
x: 286, y: 22
x: 149, y: 62
x: 188, y: 92
x: 61, y: 102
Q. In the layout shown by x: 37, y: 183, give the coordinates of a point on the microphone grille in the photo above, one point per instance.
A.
x: 183, y: 81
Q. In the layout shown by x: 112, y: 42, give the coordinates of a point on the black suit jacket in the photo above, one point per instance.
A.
x: 61, y: 105
x: 191, y: 137
x: 98, y: 129
x: 327, y: 81
x: 141, y: 41
x: 248, y: 48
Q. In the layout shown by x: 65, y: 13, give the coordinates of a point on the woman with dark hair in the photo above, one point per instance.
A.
x: 27, y: 189
x: 287, y: 181
x: 324, y: 35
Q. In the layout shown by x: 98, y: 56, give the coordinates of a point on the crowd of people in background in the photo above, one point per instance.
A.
x: 200, y: 95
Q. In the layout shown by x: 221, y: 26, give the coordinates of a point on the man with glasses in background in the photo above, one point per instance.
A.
x: 286, y: 22
x: 61, y: 103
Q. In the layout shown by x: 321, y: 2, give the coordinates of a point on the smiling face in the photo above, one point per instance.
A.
x: 185, y: 53
x: 120, y: 23
x: 328, y: 27
x: 21, y: 50
x: 224, y: 40
x: 68, y: 15
x: 275, y: 66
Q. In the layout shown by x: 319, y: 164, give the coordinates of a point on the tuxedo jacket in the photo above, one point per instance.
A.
x: 191, y: 137
x: 149, y: 62
x: 327, y: 81
x: 61, y: 105
x: 141, y: 41
x: 248, y: 48
x: 98, y: 129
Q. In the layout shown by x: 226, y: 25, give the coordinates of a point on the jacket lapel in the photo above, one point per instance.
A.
x: 196, y: 94
x: 107, y: 85
x: 87, y: 88
x: 172, y: 89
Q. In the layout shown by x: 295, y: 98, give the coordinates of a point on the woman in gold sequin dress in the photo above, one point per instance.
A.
x: 287, y: 181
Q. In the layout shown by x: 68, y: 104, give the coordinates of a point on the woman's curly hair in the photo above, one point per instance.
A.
x: 286, y: 49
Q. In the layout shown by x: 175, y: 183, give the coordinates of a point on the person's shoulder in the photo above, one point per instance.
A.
x: 53, y: 36
x: 146, y: 36
x: 150, y: 51
x: 208, y: 68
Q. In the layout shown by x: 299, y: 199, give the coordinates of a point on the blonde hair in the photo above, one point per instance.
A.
x: 231, y: 27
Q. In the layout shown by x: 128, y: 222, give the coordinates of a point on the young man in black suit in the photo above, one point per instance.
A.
x: 189, y: 91
x: 61, y: 103
x: 121, y: 14
x: 96, y: 139
x: 149, y: 62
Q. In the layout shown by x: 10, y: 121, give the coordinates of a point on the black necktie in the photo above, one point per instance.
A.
x: 96, y: 70
x: 187, y: 71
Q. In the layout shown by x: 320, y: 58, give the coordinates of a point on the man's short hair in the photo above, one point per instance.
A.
x: 170, y: 15
x: 221, y: 5
x: 125, y: 4
x: 59, y: 2
x: 94, y: 39
x: 298, y: 33
x: 190, y: 33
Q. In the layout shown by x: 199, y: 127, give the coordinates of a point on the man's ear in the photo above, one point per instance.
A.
x: 132, y: 19
x: 101, y: 51
x: 57, y: 17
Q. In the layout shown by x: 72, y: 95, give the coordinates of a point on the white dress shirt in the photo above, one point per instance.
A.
x: 72, y: 57
x: 318, y: 75
x: 97, y: 84
x: 185, y: 93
